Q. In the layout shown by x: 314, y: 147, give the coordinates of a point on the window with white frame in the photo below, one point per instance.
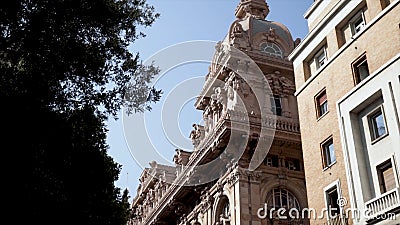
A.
x: 377, y: 124
x: 360, y: 69
x: 321, y: 101
x: 328, y: 153
x: 332, y: 200
x: 357, y: 23
x: 317, y: 59
x: 320, y: 58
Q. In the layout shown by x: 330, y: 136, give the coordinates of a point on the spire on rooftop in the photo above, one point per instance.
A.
x: 255, y: 8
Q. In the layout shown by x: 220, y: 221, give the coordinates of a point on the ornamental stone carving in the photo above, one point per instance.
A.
x: 220, y: 97
x: 271, y: 35
x: 197, y: 134
x: 280, y: 85
x: 238, y: 37
x: 233, y: 177
x: 181, y: 157
x: 206, y: 202
x: 257, y: 9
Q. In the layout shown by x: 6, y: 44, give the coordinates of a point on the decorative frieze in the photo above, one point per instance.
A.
x: 233, y: 177
x: 207, y: 201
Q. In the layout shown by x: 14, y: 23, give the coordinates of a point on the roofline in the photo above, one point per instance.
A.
x: 315, y: 31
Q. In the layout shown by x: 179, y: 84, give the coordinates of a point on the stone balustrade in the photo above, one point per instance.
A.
x: 382, y: 204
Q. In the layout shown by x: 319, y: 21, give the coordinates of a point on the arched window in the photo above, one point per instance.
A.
x: 225, y: 210
x: 279, y: 198
x: 282, y: 198
x: 223, y: 214
x: 271, y: 49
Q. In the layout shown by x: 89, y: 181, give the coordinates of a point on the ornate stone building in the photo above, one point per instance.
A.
x: 247, y: 157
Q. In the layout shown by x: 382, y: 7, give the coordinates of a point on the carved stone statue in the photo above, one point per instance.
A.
x: 220, y: 96
x: 197, y: 134
x: 287, y: 85
x: 207, y: 120
x: 239, y: 38
x: 271, y: 35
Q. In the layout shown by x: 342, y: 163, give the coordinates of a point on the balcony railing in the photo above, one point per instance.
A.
x: 382, y: 204
x: 338, y: 220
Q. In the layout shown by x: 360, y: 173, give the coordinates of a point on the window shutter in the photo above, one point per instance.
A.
x: 322, y: 99
x: 388, y: 177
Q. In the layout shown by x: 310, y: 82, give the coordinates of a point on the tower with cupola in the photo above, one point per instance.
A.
x: 247, y: 154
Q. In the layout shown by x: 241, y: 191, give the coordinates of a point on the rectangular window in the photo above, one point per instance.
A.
x: 377, y: 125
x: 357, y: 23
x: 332, y: 197
x: 360, y: 69
x: 317, y: 59
x: 276, y: 105
x: 292, y: 164
x: 272, y: 160
x: 321, y: 102
x: 387, y: 181
x: 269, y: 161
x: 328, y: 153
x: 320, y: 58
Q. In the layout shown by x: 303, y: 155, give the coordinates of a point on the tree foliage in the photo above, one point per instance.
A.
x: 71, y: 53
x: 65, y: 67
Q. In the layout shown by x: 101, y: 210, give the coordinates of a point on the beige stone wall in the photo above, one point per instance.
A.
x: 381, y: 42
x: 318, y: 19
x: 382, y: 38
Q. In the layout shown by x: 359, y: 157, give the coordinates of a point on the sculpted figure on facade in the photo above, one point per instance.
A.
x: 207, y: 120
x: 239, y: 38
x: 280, y: 84
x: 288, y: 87
x: 220, y: 97
x: 197, y: 134
x: 271, y: 35
x: 229, y: 90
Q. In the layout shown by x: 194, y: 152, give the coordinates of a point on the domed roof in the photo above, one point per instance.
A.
x: 262, y: 26
x: 251, y: 29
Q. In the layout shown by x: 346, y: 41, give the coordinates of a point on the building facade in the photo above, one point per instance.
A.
x: 347, y: 75
x: 251, y: 130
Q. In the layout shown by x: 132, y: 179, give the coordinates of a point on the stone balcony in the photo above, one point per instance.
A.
x: 384, y: 203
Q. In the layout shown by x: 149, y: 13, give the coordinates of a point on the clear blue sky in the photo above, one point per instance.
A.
x: 182, y: 21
